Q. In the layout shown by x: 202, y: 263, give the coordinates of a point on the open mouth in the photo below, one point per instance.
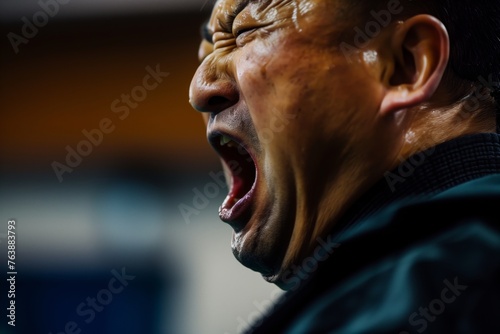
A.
x: 243, y: 172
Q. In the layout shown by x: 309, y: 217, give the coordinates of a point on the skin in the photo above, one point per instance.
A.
x: 323, y: 128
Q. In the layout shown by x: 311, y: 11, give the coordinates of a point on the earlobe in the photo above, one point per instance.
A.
x: 418, y: 58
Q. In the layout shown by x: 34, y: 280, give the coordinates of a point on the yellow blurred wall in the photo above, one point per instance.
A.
x: 66, y: 78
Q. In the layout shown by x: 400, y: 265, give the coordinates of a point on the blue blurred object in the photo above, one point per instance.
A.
x: 57, y: 301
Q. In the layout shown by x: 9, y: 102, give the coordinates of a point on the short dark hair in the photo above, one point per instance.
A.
x: 473, y: 27
x: 474, y: 30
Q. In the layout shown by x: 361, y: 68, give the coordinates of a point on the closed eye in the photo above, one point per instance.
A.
x: 242, y: 31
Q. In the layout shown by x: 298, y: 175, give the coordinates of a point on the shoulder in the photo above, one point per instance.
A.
x: 441, y: 284
x: 430, y: 265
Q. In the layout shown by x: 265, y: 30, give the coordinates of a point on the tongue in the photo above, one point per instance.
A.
x: 238, y: 184
x: 237, y: 191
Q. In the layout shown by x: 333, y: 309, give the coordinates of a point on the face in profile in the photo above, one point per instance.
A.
x: 295, y: 123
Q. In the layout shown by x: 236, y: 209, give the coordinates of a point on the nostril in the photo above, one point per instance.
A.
x: 216, y: 101
x: 212, y: 93
x: 214, y: 104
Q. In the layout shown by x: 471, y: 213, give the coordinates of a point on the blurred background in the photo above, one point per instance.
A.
x: 107, y: 172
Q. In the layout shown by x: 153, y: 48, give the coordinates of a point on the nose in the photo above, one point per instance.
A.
x: 212, y: 89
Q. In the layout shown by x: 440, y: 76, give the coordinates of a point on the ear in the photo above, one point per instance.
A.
x: 418, y: 55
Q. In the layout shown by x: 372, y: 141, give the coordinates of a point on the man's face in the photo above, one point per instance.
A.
x: 306, y: 138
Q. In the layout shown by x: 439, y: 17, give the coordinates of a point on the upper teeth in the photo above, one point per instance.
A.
x: 225, y: 140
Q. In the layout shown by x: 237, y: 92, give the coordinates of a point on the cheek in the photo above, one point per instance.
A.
x: 272, y: 86
x: 258, y: 89
x: 297, y: 95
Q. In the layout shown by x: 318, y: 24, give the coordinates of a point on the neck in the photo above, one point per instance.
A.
x: 433, y: 126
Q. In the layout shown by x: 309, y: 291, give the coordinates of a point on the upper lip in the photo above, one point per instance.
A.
x: 214, y: 137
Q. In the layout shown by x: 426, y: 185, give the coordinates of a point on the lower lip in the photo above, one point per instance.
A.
x: 237, y: 215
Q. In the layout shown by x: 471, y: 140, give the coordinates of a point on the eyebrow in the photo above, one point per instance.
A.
x: 206, y: 33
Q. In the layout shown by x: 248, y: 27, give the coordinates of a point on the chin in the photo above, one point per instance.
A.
x: 263, y: 244
x: 260, y: 205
